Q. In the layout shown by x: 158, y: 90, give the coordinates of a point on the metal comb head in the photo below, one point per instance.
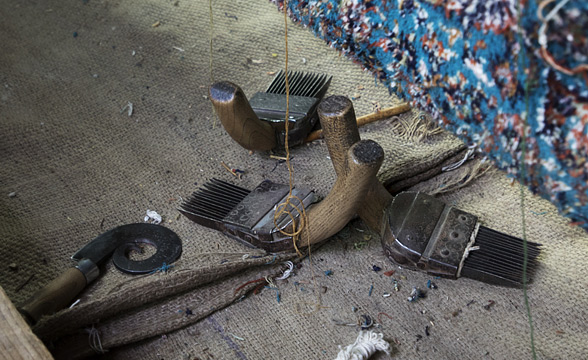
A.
x: 300, y: 84
x: 306, y: 90
x: 426, y: 234
x: 247, y: 216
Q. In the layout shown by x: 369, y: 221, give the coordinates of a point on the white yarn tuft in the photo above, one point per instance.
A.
x: 366, y: 345
x: 153, y: 217
x: 95, y: 342
x: 288, y: 271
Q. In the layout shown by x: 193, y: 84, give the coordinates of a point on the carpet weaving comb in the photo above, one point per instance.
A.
x: 420, y: 232
x: 426, y: 234
x: 258, y: 124
x: 248, y: 216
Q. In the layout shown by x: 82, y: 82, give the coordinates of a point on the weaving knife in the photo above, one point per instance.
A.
x: 121, y: 240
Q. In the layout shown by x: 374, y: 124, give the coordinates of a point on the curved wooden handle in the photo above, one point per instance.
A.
x: 239, y: 119
x: 357, y: 175
x: 54, y: 296
x: 339, y: 126
x: 340, y: 131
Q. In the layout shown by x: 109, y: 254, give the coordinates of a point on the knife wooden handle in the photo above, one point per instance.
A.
x: 54, y: 296
x: 356, y: 174
x: 340, y: 131
x: 239, y: 119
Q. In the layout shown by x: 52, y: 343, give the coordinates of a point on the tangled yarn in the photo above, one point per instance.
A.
x: 366, y: 345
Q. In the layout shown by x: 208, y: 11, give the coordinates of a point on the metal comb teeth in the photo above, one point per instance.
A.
x: 213, y: 202
x: 499, y: 256
x: 300, y: 84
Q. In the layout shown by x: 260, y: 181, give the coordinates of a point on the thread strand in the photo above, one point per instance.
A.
x: 522, y: 174
x: 287, y: 207
x: 211, y: 33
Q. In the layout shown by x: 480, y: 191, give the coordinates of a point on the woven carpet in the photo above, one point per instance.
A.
x: 482, y: 69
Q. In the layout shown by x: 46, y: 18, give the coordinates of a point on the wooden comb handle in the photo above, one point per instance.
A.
x: 355, y: 177
x: 340, y: 131
x: 239, y: 119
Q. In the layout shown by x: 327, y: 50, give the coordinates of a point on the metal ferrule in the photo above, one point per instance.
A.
x: 89, y: 269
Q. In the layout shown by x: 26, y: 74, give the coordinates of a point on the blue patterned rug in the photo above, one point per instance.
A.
x: 461, y: 61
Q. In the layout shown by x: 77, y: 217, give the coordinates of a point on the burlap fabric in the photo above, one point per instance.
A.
x: 75, y: 165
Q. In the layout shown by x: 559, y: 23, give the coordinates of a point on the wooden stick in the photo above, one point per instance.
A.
x: 17, y: 341
x: 228, y: 168
x: 366, y: 119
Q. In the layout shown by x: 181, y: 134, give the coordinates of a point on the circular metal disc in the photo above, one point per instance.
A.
x: 167, y: 243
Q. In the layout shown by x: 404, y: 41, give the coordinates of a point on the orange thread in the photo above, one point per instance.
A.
x: 287, y: 207
x: 386, y: 315
x: 249, y: 282
x: 211, y: 32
